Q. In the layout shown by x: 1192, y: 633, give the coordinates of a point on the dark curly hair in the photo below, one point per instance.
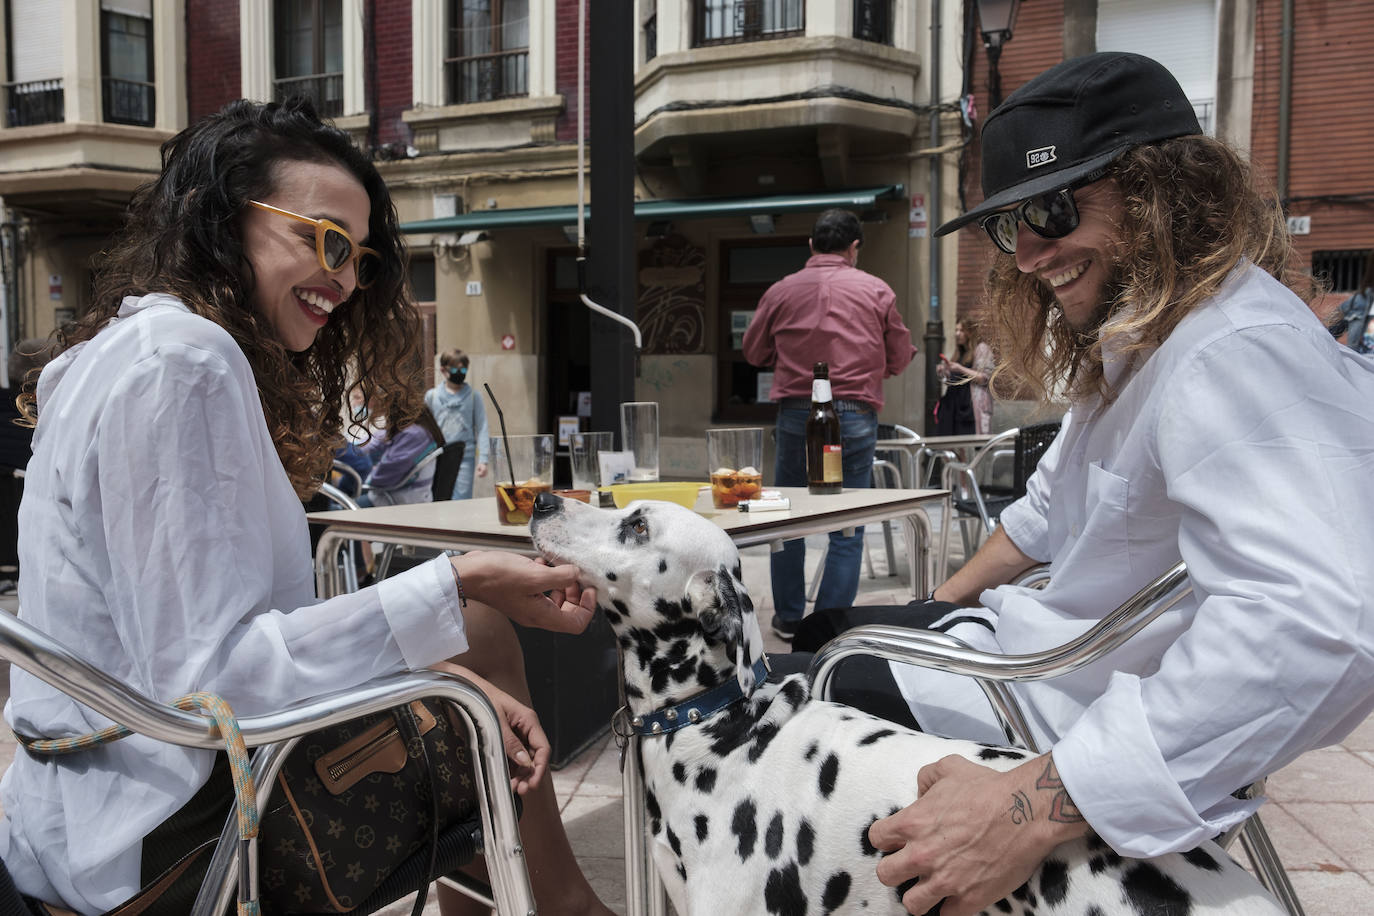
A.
x: 182, y: 236
x: 1192, y: 211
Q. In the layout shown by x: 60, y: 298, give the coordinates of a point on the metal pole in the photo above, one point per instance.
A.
x: 1285, y: 96
x: 935, y: 329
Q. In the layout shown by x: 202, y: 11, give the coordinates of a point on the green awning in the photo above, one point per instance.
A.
x: 661, y: 209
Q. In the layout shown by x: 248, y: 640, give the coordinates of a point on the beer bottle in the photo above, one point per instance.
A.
x: 824, y: 470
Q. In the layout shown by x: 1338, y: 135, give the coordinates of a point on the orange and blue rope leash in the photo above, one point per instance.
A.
x: 245, y: 793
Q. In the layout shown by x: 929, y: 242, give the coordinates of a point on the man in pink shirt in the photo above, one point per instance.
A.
x: 833, y: 312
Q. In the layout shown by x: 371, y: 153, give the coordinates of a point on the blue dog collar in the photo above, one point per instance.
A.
x: 698, y: 709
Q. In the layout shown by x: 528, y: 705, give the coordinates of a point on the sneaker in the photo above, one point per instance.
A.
x: 785, y: 629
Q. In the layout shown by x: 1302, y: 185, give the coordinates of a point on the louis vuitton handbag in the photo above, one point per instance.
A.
x: 368, y: 811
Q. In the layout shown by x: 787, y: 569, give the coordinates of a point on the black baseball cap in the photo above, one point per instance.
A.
x: 1072, y: 120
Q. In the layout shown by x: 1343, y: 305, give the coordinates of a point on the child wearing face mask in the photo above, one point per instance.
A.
x: 463, y: 418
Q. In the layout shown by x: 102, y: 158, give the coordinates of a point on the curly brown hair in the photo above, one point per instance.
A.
x: 182, y: 236
x: 1192, y: 212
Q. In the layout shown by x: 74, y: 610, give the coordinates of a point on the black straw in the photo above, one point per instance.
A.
x: 505, y: 440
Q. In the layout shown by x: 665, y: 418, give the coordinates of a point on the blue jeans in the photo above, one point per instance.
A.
x: 462, y: 485
x: 840, y: 579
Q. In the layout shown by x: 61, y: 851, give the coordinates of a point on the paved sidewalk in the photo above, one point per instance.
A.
x: 1319, y: 813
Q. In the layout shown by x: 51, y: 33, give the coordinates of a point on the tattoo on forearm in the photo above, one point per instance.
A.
x: 1062, y: 808
x: 1020, y: 808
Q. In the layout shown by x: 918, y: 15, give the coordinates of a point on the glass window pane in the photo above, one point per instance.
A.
x: 333, y: 36
x: 748, y: 265
x: 515, y: 24
x: 422, y: 279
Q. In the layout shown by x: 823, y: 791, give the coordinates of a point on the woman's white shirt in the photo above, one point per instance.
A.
x: 162, y: 540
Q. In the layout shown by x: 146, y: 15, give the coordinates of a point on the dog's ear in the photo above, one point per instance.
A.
x: 726, y: 614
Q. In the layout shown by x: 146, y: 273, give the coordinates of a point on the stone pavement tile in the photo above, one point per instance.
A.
x: 567, y: 779
x: 595, y: 826
x: 1343, y: 828
x: 603, y: 776
x: 1298, y: 847
x: 606, y: 874
x: 1331, y: 774
x: 1332, y: 893
x: 1362, y: 738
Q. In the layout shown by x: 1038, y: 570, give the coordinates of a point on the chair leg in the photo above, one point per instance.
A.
x: 383, y: 563
x: 1268, y: 867
x: 820, y: 571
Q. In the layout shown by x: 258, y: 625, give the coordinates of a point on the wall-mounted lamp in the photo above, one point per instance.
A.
x: 473, y: 235
x: 761, y: 223
x: 658, y: 229
x: 996, y: 19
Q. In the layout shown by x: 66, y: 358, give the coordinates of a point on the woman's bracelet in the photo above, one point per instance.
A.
x: 451, y: 553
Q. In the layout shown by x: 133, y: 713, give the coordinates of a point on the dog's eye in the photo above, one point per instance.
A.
x: 640, y: 526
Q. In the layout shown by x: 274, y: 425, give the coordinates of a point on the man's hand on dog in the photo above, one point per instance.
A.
x: 975, y: 834
x: 527, y: 747
x: 530, y: 592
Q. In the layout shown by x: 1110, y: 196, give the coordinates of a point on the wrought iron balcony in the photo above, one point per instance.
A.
x: 486, y: 77
x: 723, y: 22
x: 129, y: 101
x: 324, y: 89
x: 35, y: 102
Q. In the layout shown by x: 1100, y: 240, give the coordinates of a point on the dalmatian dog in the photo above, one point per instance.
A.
x: 759, y: 796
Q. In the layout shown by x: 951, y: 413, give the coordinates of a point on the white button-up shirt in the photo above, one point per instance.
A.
x: 1244, y: 445
x: 161, y: 539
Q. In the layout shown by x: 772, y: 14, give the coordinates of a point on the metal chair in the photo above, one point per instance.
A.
x: 984, y: 495
x: 446, y: 460
x: 275, y: 734
x: 347, y: 474
x: 347, y: 564
x: 885, y: 476
x: 992, y: 672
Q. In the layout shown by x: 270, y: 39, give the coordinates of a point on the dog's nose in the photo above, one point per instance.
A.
x: 547, y: 504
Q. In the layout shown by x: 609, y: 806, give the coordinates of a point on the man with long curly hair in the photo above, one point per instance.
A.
x: 1146, y: 278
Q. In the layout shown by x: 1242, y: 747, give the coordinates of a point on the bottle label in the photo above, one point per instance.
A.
x: 820, y: 390
x: 832, y: 469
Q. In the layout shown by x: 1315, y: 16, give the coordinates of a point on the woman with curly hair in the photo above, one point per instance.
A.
x: 181, y: 423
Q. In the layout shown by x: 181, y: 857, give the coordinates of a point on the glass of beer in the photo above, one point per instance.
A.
x: 733, y: 459
x: 521, y: 474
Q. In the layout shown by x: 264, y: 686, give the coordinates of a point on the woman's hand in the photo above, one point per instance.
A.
x: 529, y: 592
x: 481, y: 469
x: 527, y: 747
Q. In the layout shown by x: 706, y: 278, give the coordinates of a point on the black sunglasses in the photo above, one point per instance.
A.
x: 1051, y: 215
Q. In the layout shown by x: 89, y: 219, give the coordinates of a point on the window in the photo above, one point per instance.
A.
x: 1342, y: 270
x: 1180, y: 34
x: 720, y: 22
x: 308, y: 40
x: 128, y: 93
x: 488, y: 52
x: 873, y: 21
x: 34, y: 95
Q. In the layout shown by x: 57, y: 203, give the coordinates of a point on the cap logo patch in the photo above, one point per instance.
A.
x: 1038, y: 157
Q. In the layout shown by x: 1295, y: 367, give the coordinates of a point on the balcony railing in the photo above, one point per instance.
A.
x: 873, y: 21
x: 35, y: 102
x: 324, y: 89
x: 129, y: 101
x: 723, y: 22
x: 485, y: 77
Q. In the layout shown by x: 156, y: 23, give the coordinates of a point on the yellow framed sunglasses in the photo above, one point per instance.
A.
x: 335, y: 247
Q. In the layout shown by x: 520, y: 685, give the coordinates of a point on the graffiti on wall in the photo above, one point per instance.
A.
x: 672, y: 297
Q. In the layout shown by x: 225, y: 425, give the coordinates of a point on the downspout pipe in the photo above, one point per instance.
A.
x: 935, y: 329
x: 1285, y: 97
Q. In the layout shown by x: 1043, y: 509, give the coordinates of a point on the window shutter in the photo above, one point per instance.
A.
x: 35, y: 41
x: 1180, y: 34
x: 140, y: 8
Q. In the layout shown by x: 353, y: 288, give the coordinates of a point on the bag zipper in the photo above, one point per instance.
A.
x: 339, y: 770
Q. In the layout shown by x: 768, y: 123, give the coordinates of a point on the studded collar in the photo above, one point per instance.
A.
x: 697, y: 709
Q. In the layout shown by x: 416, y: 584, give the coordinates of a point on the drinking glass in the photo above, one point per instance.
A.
x: 583, y: 452
x: 639, y: 433
x: 532, y: 458
x: 734, y: 458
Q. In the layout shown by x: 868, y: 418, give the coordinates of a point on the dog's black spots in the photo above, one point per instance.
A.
x: 706, y: 780
x: 782, y: 893
x: 673, y: 841
x: 1153, y: 893
x: 1097, y: 865
x: 1199, y: 858
x: 811, y: 750
x: 994, y: 753
x: 634, y: 529
x: 610, y: 577
x: 703, y: 825
x: 706, y: 675
x: 737, y: 572
x: 1025, y: 895
x: 673, y: 630
x: 728, y: 730
x: 1003, y: 905
x: 612, y: 617
x: 672, y: 610
x: 836, y: 891
x: 682, y: 871
x: 620, y: 607
x: 632, y: 691
x: 662, y: 566
x: 830, y: 771
x: 772, y: 837
x: 763, y: 735
x: 680, y: 772
x: 879, y: 735
x: 1094, y: 842
x: 654, y: 811
x: 865, y: 846
x: 1094, y: 910
x: 745, y: 827
x: 806, y: 842
x: 1054, y: 881
x: 1104, y: 860
x: 794, y: 692
x: 846, y: 718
